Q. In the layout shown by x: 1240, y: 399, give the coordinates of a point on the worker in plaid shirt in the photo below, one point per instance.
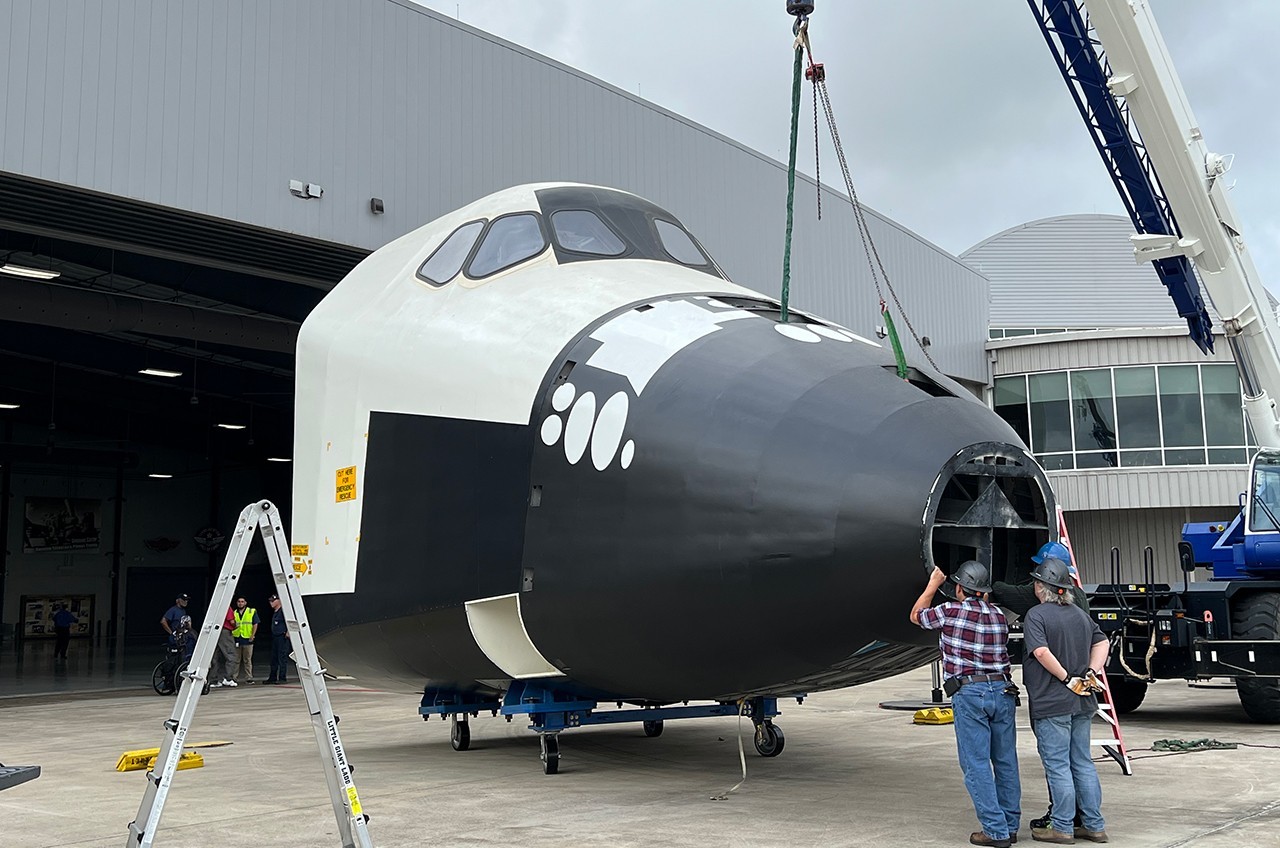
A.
x: 975, y: 663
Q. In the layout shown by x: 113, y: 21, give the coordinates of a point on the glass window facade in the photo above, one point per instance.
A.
x: 1128, y: 417
x: 1014, y: 332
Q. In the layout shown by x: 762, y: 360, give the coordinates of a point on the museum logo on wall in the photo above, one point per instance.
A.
x: 209, y: 539
x: 61, y: 524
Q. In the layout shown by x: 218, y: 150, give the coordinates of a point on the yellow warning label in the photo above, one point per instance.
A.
x: 1107, y: 616
x: 301, y: 566
x: 344, y: 488
x: 300, y: 550
x: 354, y: 799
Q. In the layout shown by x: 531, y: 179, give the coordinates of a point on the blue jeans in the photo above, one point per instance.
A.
x: 986, y: 740
x: 1063, y: 743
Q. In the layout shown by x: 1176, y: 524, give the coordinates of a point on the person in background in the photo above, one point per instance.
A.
x: 246, y: 619
x: 224, y: 654
x: 1020, y: 598
x: 63, y: 618
x: 177, y: 623
x: 279, y: 642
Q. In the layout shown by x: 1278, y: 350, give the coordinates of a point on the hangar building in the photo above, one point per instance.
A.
x: 181, y: 183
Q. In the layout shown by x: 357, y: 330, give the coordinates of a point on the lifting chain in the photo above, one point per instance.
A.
x: 816, y: 74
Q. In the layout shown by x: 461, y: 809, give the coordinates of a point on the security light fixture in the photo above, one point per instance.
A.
x: 160, y: 372
x: 307, y: 191
x: 232, y: 426
x: 33, y: 273
x: 160, y: 476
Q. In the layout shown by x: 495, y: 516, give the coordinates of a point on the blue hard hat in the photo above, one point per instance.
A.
x: 1054, y: 550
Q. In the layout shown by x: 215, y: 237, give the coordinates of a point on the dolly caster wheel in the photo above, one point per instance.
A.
x: 769, y: 739
x: 550, y: 753
x: 460, y: 734
x: 653, y: 728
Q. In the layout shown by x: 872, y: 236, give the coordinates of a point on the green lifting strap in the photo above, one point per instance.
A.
x: 898, y: 355
x: 791, y: 179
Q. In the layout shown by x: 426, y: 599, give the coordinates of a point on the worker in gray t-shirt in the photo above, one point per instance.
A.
x: 1063, y: 645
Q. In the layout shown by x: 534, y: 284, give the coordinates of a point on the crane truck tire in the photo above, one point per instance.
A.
x: 1256, y: 616
x: 1126, y: 692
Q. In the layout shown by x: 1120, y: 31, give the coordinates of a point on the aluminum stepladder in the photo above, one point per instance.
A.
x: 1106, y: 706
x: 263, y: 517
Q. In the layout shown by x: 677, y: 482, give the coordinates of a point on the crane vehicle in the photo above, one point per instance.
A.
x: 1123, y: 81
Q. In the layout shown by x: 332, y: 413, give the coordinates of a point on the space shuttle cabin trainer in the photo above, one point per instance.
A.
x: 545, y: 441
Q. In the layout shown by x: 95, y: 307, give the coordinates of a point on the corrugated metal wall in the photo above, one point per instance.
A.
x: 1059, y: 351
x: 1094, y: 533
x: 1071, y: 271
x: 1120, y: 489
x: 214, y: 107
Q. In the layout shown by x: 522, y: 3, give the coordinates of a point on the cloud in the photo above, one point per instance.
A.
x: 954, y: 118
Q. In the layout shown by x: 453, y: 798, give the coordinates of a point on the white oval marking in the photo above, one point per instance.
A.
x: 800, y: 334
x: 719, y: 304
x: 628, y: 453
x: 828, y: 332
x: 551, y: 430
x: 608, y: 433
x: 562, y: 397
x: 578, y: 431
x: 857, y: 338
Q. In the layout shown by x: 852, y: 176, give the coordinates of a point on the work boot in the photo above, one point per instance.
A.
x: 1092, y: 835
x: 1048, y: 834
x: 979, y: 837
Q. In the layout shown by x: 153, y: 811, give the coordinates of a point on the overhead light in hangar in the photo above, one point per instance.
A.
x: 10, y: 405
x: 160, y: 372
x: 279, y: 459
x: 232, y: 426
x: 24, y: 271
x: 160, y: 476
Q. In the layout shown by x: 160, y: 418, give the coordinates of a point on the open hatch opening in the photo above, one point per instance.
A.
x: 992, y: 502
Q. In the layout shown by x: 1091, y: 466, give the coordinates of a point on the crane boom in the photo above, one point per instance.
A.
x: 1161, y: 137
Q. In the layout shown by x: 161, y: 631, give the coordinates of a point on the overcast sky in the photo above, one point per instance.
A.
x: 953, y: 114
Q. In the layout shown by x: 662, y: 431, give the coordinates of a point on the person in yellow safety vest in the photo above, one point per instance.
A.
x: 246, y: 619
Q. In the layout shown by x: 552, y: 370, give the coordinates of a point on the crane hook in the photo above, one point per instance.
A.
x: 801, y: 10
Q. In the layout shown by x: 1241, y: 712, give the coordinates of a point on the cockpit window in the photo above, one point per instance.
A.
x: 593, y: 224
x: 583, y: 232
x: 677, y: 242
x: 509, y: 240
x: 443, y: 265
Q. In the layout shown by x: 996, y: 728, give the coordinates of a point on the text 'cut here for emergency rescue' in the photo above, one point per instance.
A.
x: 344, y: 487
